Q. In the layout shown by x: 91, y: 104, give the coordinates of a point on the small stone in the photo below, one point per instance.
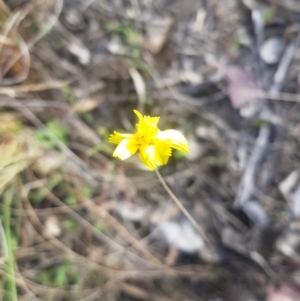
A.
x: 52, y: 226
x: 81, y: 52
x: 132, y: 213
x: 196, y: 149
x: 207, y: 132
x: 115, y: 46
x: 256, y: 213
x: 272, y: 49
x: 74, y: 17
x: 182, y: 236
x: 288, y: 243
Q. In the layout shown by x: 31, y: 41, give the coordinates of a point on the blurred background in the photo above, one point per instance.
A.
x: 76, y: 224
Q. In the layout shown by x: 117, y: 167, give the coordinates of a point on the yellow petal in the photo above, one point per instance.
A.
x: 152, y: 121
x: 125, y: 149
x: 149, y: 156
x: 138, y: 114
x: 163, y: 150
x: 117, y: 137
x: 173, y: 139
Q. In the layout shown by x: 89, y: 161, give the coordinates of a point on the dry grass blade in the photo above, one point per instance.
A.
x: 11, y: 284
x: 140, y: 88
x: 25, y: 47
x: 16, y: 155
x: 73, y: 256
x: 3, y: 245
x: 4, y: 7
x: 12, y: 24
x: 86, y: 228
x: 15, y: 90
x: 83, y: 166
x: 113, y: 223
x: 139, y: 293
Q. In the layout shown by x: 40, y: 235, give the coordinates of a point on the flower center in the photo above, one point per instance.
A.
x: 146, y: 135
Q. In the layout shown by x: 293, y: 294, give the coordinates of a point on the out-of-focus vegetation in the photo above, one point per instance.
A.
x: 75, y: 224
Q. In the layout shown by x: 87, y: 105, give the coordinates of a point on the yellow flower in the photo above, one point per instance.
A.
x: 153, y: 146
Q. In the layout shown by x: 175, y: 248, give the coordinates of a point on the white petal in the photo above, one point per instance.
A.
x: 174, y: 139
x: 149, y: 156
x: 125, y: 149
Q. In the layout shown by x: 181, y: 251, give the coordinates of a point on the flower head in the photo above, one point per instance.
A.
x: 153, y: 146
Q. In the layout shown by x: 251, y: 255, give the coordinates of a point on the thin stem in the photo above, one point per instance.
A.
x: 11, y: 285
x: 182, y: 208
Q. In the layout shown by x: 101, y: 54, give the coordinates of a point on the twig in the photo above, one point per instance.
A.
x: 289, y: 97
x: 282, y: 69
x: 247, y: 184
x: 13, y: 90
x: 139, y: 293
x: 182, y: 208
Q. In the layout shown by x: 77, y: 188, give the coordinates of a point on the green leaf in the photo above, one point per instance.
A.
x: 54, y: 127
x: 70, y: 200
x: 60, y: 276
x: 218, y: 161
x: 68, y: 93
x: 44, y: 278
x: 268, y: 15
x: 130, y: 35
x: 88, y: 117
x: 87, y: 192
x: 260, y: 123
x: 70, y: 225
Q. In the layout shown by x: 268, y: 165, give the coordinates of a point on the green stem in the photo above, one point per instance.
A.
x: 182, y: 208
x: 10, y: 282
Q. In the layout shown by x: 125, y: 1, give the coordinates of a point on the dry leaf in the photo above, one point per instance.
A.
x: 87, y: 104
x: 239, y: 82
x: 158, y: 33
x: 286, y: 292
